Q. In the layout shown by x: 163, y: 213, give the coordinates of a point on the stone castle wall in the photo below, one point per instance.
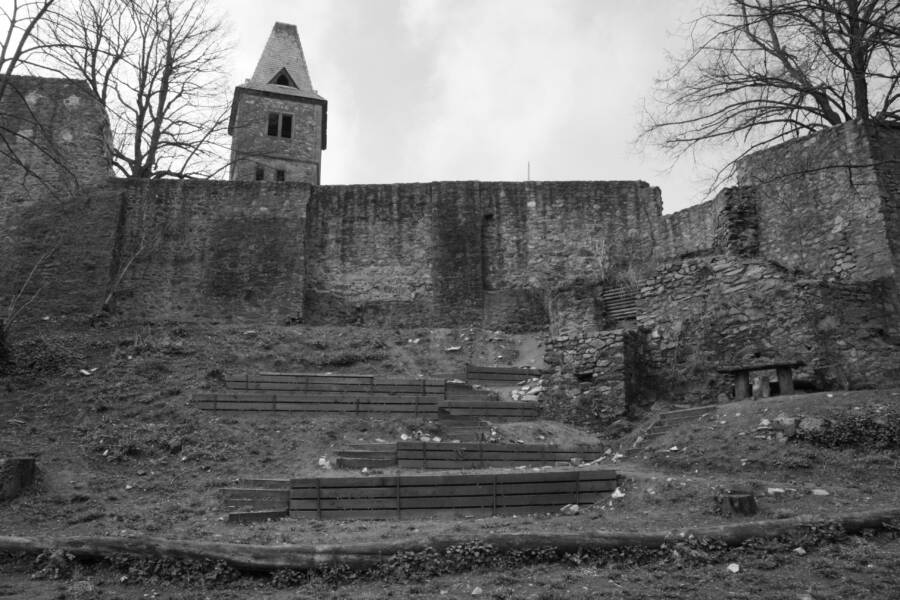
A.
x: 209, y: 249
x: 55, y: 139
x: 800, y: 260
x: 820, y: 205
x: 434, y: 252
x: 701, y: 313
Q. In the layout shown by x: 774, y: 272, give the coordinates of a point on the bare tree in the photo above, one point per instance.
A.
x: 762, y: 71
x: 18, y: 44
x: 157, y: 66
x: 18, y: 48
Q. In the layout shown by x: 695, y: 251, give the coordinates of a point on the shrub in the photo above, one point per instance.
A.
x: 876, y: 428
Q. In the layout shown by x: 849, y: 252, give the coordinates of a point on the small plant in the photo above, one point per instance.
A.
x: 14, y: 310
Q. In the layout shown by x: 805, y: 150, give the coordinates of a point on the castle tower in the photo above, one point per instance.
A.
x: 277, y: 123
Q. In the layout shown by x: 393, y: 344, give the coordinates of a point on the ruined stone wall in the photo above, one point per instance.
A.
x: 209, y: 249
x: 542, y: 234
x: 418, y: 253
x: 54, y: 139
x: 820, y: 205
x: 885, y: 147
x: 701, y: 313
x: 689, y: 231
x: 370, y: 253
x: 68, y: 241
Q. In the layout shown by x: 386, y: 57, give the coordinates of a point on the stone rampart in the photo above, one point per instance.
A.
x: 690, y: 231
x: 211, y: 249
x: 55, y: 138
x: 430, y: 252
x: 820, y: 205
x: 701, y: 313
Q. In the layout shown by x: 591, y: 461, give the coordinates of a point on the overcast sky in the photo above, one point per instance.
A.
x: 431, y: 90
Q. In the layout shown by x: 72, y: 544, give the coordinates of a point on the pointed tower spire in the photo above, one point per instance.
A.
x: 283, y: 55
x: 277, y: 119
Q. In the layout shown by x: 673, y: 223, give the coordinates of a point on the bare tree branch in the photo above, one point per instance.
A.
x: 158, y: 68
x: 761, y: 71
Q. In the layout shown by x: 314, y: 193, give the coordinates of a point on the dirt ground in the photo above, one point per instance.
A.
x: 123, y: 452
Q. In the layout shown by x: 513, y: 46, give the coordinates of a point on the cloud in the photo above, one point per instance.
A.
x: 424, y: 90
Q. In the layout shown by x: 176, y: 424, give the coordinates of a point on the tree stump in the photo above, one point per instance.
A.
x: 736, y: 502
x: 15, y: 475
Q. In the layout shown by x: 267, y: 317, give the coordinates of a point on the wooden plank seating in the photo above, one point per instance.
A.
x: 373, y: 403
x: 257, y: 500
x: 339, y: 384
x: 452, y: 455
x: 461, y: 390
x: 357, y: 394
x: 503, y: 376
x: 448, y: 455
x: 372, y: 456
x: 416, y: 496
x: 741, y: 374
x: 488, y: 409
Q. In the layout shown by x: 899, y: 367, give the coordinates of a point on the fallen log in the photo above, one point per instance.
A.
x: 254, y: 557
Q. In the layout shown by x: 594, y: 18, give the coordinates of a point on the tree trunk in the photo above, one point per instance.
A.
x: 252, y: 557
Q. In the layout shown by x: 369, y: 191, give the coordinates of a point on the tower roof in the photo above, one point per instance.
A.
x: 282, y: 61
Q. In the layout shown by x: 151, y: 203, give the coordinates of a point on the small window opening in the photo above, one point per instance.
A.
x: 260, y: 173
x: 279, y: 175
x: 280, y: 125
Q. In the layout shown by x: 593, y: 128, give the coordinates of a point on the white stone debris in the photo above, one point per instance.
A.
x: 734, y: 568
x: 570, y: 509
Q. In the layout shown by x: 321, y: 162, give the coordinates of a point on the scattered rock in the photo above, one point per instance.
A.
x: 570, y: 509
x: 477, y: 591
x: 819, y: 492
x: 811, y: 424
x: 734, y: 568
x: 618, y: 493
x: 81, y: 590
x: 786, y: 424
x: 799, y: 551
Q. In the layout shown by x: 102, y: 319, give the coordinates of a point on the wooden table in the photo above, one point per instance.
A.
x: 742, y: 376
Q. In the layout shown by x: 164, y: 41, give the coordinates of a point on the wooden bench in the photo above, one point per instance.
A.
x: 741, y: 373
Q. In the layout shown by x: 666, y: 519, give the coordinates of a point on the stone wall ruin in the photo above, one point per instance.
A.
x: 800, y: 259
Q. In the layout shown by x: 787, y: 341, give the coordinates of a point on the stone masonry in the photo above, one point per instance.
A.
x: 277, y: 119
x: 799, y: 261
